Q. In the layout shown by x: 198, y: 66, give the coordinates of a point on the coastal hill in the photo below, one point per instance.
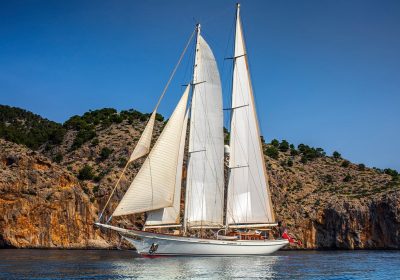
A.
x: 55, y: 178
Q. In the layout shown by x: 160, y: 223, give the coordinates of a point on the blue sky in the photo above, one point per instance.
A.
x: 325, y: 73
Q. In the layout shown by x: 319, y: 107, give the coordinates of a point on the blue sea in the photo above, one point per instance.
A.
x: 101, y: 264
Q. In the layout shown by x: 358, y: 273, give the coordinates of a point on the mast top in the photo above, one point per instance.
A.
x: 238, y: 5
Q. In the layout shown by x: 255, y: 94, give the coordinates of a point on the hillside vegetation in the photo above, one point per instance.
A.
x: 23, y: 127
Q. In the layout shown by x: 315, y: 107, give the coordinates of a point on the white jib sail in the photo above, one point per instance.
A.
x: 154, y: 185
x: 205, y: 179
x: 143, y: 145
x: 248, y: 200
x: 170, y: 215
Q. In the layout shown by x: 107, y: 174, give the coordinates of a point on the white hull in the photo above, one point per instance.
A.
x: 152, y: 244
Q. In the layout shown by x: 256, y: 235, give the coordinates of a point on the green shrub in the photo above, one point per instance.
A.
x: 131, y: 114
x: 122, y: 162
x: 380, y: 171
x: 272, y: 152
x: 391, y: 172
x: 95, y: 189
x: 310, y: 153
x: 320, y: 152
x: 275, y: 143
x: 290, y: 163
x: 82, y: 137
x: 284, y: 146
x: 361, y: 167
x: 336, y: 155
x: 97, y: 178
x: 86, y: 173
x: 58, y: 158
x: 159, y: 117
x: 105, y: 153
x: 345, y: 163
x: 347, y: 178
x: 144, y: 118
x: 329, y: 179
x: 293, y: 152
x: 116, y: 118
x: 95, y: 142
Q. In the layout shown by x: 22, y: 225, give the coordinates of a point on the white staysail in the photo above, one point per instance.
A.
x: 170, y: 215
x: 205, y: 179
x: 248, y: 200
x: 154, y: 185
x: 143, y: 145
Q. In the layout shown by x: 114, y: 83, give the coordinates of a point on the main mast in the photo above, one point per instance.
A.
x: 193, y: 83
x: 205, y: 176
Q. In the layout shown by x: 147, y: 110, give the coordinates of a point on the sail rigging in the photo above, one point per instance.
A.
x: 157, y: 187
x: 205, y: 179
x: 142, y: 148
x: 154, y: 185
x: 248, y: 200
x: 170, y: 215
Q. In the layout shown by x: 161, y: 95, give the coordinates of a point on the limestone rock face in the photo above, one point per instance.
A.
x: 42, y: 205
x: 341, y: 225
x: 363, y: 213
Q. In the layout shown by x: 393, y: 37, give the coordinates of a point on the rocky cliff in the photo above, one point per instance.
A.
x: 329, y: 206
x: 41, y: 204
x: 51, y: 197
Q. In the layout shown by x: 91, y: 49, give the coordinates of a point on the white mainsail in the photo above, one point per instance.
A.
x: 248, y: 201
x: 205, y: 179
x: 170, y: 215
x: 154, y: 185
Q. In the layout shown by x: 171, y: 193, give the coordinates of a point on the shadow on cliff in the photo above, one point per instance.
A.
x: 372, y: 225
x: 4, y: 244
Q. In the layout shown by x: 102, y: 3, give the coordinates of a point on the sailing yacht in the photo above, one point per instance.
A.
x: 218, y: 219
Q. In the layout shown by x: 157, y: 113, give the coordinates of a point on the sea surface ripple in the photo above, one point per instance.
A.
x: 102, y: 264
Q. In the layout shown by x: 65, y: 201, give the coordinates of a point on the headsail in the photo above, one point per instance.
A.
x: 142, y: 148
x: 143, y: 145
x: 154, y: 185
x: 170, y: 215
x: 249, y: 201
x: 205, y: 179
